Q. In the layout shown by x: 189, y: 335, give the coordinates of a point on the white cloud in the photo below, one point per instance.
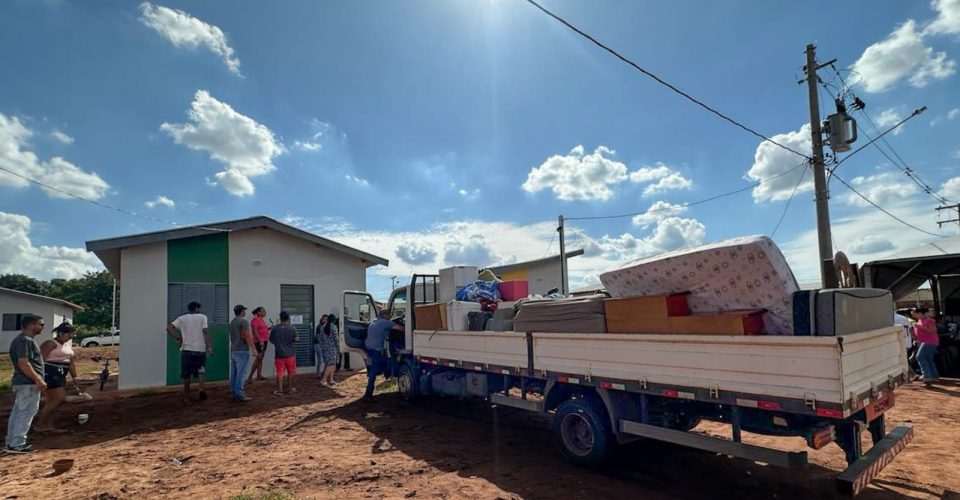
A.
x: 160, y: 200
x: 882, y: 189
x: 658, y: 211
x: 947, y: 21
x: 62, y: 137
x: 415, y: 254
x: 19, y: 255
x: 953, y: 114
x: 358, y: 180
x: 578, y: 176
x: 888, y: 118
x: 55, y: 172
x: 472, y: 250
x: 307, y: 146
x: 671, y: 233
x: 649, y: 174
x: 951, y: 189
x: 770, y: 160
x: 902, y: 54
x: 246, y: 147
x: 666, y: 179
x: 871, y: 243
x: 184, y: 30
x: 860, y: 234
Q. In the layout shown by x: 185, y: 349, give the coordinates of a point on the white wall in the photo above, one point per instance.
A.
x: 543, y: 277
x: 18, y: 304
x: 287, y: 260
x: 143, y: 316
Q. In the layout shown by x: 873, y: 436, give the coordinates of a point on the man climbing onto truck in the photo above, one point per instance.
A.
x: 377, y: 334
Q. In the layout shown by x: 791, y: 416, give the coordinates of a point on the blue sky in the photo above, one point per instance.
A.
x: 443, y: 132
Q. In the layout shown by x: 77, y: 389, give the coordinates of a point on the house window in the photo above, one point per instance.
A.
x: 213, y: 298
x: 11, y: 322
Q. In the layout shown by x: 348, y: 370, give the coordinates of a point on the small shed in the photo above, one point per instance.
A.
x: 14, y: 304
x: 256, y: 261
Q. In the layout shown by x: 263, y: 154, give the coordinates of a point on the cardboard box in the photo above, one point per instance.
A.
x: 431, y: 316
x: 647, y: 314
x: 726, y: 323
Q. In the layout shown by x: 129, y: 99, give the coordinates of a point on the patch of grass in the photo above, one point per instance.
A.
x: 6, y: 372
x: 388, y: 386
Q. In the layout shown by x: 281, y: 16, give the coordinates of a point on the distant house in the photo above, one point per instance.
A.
x: 256, y: 261
x: 542, y: 275
x: 15, y: 304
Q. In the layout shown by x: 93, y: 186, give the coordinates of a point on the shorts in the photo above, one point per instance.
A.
x: 261, y: 347
x: 288, y: 364
x: 191, y: 364
x: 55, y: 375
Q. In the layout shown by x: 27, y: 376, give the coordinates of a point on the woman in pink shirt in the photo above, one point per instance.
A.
x: 261, y: 335
x: 926, y: 333
x: 57, y: 363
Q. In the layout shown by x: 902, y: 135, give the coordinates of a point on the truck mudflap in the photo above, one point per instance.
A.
x: 859, y: 474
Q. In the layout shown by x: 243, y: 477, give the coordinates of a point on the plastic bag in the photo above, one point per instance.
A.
x: 479, y: 290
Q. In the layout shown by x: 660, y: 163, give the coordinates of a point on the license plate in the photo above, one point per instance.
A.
x: 879, y: 406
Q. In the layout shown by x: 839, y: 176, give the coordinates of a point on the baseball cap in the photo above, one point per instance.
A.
x: 239, y: 307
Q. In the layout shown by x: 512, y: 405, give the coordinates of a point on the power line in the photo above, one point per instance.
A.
x: 878, y: 207
x: 691, y: 204
x: 787, y: 207
x: 554, y: 238
x: 891, y: 129
x: 662, y: 81
x: 104, y: 205
x: 909, y: 172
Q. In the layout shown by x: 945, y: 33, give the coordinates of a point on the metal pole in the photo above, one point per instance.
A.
x: 828, y: 275
x: 563, y: 257
x: 113, y: 309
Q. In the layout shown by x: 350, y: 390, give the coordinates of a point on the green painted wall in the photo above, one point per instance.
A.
x: 202, y: 259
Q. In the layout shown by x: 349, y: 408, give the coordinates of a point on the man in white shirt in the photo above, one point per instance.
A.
x: 190, y: 331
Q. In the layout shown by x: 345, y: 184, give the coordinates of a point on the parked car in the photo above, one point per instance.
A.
x: 106, y: 338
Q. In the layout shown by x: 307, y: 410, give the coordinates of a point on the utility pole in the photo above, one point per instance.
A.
x: 563, y: 257
x: 949, y: 207
x: 828, y: 275
x: 113, y: 309
x: 393, y: 283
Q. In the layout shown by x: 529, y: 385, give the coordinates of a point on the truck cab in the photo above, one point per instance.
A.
x: 360, y: 309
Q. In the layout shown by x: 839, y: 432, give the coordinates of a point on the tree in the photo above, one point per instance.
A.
x: 24, y: 283
x: 93, y: 291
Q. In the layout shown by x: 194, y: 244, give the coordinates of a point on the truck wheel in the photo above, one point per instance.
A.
x: 582, y: 433
x: 408, y: 383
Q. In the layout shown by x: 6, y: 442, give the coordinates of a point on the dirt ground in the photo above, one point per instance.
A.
x: 323, y: 443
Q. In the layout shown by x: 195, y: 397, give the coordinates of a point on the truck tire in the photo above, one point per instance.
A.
x: 408, y: 383
x: 581, y: 430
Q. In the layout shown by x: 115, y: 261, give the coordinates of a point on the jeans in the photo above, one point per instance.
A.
x: 925, y: 357
x: 374, y: 368
x: 22, y: 413
x: 239, y: 363
x: 318, y: 354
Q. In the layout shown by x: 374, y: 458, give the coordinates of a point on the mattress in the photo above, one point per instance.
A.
x: 741, y: 273
x: 574, y: 315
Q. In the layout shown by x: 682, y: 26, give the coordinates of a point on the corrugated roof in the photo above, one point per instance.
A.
x: 545, y: 260
x: 71, y: 305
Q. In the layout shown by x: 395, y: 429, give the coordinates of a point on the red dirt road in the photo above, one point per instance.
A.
x: 322, y: 443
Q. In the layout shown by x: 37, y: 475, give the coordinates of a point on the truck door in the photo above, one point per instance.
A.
x: 359, y: 310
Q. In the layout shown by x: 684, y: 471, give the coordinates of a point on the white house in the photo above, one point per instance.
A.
x: 542, y: 275
x: 14, y: 304
x: 255, y: 262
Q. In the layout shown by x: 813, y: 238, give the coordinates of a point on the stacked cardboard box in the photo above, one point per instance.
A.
x: 431, y: 316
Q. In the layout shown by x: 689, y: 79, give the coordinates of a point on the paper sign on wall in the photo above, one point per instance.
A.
x: 296, y: 319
